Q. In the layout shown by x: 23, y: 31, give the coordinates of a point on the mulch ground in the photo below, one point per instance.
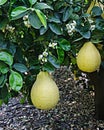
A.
x: 74, y: 111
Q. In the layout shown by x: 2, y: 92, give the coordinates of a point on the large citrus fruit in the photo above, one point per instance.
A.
x: 44, y: 92
x: 88, y: 58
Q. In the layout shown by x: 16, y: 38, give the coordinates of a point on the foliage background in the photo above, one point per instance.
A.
x: 43, y: 35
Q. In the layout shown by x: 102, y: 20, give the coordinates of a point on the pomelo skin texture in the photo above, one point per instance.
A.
x: 44, y: 92
x: 88, y: 58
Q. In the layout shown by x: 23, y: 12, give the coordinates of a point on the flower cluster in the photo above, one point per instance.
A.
x: 53, y: 45
x: 71, y: 27
x: 26, y: 21
x: 43, y: 57
x: 9, y: 28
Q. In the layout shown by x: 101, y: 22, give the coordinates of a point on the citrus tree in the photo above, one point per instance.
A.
x: 41, y: 35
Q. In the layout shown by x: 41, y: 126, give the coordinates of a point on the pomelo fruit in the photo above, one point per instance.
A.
x: 88, y: 58
x: 44, y: 92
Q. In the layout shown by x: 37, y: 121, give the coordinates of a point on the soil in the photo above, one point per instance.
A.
x: 74, y: 111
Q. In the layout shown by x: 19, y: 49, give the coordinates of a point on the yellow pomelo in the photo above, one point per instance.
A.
x: 44, y: 92
x: 88, y: 58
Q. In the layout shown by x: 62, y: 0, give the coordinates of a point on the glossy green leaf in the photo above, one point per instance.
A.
x: 100, y: 25
x: 56, y: 28
x: 42, y: 5
x: 3, y: 68
x: 64, y: 44
x: 54, y: 19
x: 96, y: 11
x: 3, y: 79
x: 67, y: 13
x: 42, y: 17
x: 34, y: 20
x: 60, y: 53
x: 83, y: 27
x: 20, y: 67
x: 48, y: 67
x: 6, y: 57
x: 32, y: 2
x: 18, y: 12
x: 2, y: 2
x: 15, y: 81
x: 86, y: 35
x: 74, y: 16
x: 54, y: 61
x: 43, y: 30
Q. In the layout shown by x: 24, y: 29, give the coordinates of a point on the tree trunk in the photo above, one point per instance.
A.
x: 97, y: 79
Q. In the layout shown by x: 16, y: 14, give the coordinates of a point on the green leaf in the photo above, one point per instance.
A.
x: 3, y: 23
x: 54, y: 19
x: 83, y: 27
x: 96, y: 11
x: 23, y: 99
x: 43, y: 30
x: 64, y: 44
x: 99, y: 23
x: 48, y: 67
x: 42, y: 5
x: 32, y: 2
x: 54, y: 61
x: 60, y: 53
x: 77, y: 9
x: 15, y: 81
x: 86, y: 35
x: 3, y: 68
x: 20, y: 67
x: 42, y: 17
x: 3, y: 79
x: 73, y: 60
x: 3, y: 92
x: 1, y: 102
x: 6, y: 57
x: 34, y: 20
x: 2, y: 2
x: 74, y: 16
x: 19, y: 12
x: 67, y: 13
x: 56, y: 28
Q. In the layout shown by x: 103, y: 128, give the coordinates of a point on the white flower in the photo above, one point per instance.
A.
x: 10, y: 28
x: 44, y: 59
x: 74, y: 23
x: 92, y: 27
x: 70, y: 33
x: 71, y: 27
x: 45, y: 54
x: 40, y: 57
x: 27, y: 24
x: 90, y: 20
x: 50, y: 44
x: 53, y: 45
x: 25, y: 18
